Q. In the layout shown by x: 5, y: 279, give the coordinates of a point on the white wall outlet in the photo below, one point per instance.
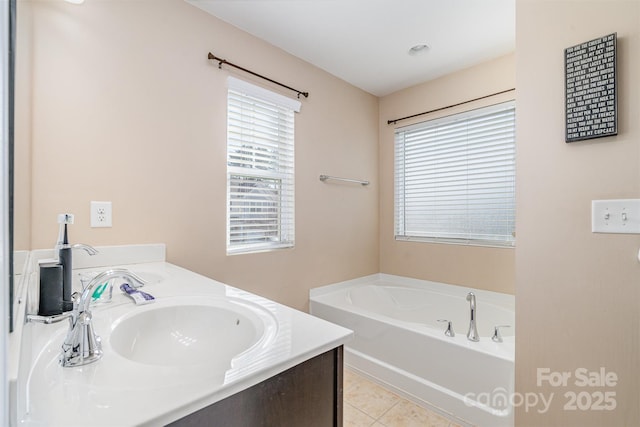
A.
x: 101, y: 214
x: 621, y: 216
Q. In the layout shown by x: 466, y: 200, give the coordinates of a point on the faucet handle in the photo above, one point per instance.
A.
x: 449, y: 331
x: 496, y: 333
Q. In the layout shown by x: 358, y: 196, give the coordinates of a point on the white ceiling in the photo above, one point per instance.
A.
x: 366, y: 42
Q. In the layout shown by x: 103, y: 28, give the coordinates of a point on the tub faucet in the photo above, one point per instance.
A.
x: 472, y: 335
x: 82, y: 345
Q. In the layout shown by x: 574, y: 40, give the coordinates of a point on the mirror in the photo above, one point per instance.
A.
x: 19, y: 161
x: 9, y: 68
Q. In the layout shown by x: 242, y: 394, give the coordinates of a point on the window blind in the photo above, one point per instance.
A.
x: 455, y: 178
x: 260, y: 169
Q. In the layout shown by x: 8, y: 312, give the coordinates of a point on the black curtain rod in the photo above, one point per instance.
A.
x: 224, y: 61
x: 393, y: 122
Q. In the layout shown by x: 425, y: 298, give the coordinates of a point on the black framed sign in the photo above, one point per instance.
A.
x: 590, y: 89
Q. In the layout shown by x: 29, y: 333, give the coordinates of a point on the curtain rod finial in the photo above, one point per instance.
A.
x: 224, y: 61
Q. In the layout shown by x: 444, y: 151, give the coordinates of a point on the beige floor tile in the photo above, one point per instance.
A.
x: 353, y: 417
x: 368, y: 404
x: 407, y: 414
x: 369, y: 397
x: 350, y: 378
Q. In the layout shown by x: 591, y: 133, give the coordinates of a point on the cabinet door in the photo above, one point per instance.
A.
x: 307, y: 395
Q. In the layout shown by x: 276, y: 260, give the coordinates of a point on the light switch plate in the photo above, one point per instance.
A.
x: 620, y: 216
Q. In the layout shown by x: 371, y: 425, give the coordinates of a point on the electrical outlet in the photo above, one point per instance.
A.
x: 101, y: 214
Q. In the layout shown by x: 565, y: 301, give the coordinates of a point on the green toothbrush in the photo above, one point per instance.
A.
x: 99, y: 290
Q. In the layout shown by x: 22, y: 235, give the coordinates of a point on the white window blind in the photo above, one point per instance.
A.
x: 260, y: 169
x: 455, y: 178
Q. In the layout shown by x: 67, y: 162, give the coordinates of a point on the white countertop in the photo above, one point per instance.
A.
x: 117, y: 391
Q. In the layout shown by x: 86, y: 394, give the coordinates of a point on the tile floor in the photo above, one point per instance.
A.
x: 367, y: 404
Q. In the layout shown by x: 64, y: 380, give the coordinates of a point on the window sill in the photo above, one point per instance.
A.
x: 253, y: 249
x: 461, y: 242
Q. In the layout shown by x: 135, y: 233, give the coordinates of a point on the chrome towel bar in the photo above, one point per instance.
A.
x: 323, y: 178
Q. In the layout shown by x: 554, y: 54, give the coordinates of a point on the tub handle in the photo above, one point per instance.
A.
x: 449, y: 332
x: 496, y: 333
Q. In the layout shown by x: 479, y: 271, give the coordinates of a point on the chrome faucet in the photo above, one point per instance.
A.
x: 472, y: 334
x: 82, y: 345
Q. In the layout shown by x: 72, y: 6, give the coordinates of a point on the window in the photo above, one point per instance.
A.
x: 260, y: 168
x: 455, y: 178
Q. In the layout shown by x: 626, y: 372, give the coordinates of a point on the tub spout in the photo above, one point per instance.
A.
x: 472, y: 334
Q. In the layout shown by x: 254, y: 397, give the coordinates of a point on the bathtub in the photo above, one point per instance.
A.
x: 400, y: 343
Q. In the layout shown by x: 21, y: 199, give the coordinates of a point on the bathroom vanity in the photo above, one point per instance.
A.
x: 309, y: 394
x: 202, y: 354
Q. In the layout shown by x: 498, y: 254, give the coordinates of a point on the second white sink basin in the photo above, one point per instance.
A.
x: 212, y: 333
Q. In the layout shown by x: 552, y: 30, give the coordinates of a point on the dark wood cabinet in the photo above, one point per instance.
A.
x: 307, y: 395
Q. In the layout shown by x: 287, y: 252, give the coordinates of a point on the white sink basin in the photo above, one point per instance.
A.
x: 213, y: 333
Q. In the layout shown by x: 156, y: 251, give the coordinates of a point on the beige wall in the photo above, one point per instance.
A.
x: 127, y: 108
x: 577, y: 293
x: 479, y: 267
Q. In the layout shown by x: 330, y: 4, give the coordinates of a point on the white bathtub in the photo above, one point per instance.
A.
x: 399, y: 342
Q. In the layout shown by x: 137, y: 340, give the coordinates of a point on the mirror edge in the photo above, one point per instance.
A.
x: 10, y: 103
